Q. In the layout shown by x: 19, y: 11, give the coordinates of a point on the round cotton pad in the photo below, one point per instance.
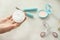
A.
x: 18, y: 16
x: 43, y: 14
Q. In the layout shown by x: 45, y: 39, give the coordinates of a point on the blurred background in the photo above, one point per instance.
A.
x: 30, y: 29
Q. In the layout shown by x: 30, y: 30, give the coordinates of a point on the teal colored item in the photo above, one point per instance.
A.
x: 48, y: 11
x: 30, y: 10
x: 48, y: 8
x: 29, y: 14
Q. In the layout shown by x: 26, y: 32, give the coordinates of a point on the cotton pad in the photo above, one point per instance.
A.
x: 43, y: 14
x: 18, y: 16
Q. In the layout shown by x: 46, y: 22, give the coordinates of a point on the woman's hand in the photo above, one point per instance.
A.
x: 8, y: 24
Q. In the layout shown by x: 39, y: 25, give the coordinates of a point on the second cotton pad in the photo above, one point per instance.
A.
x: 18, y: 16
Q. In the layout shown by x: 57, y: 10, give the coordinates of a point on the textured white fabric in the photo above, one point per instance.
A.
x: 18, y: 16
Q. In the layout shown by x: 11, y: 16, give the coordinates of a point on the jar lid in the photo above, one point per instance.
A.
x: 18, y: 16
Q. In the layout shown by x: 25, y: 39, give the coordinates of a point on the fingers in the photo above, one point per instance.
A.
x: 17, y: 22
x: 4, y: 20
x: 10, y: 27
x: 15, y: 25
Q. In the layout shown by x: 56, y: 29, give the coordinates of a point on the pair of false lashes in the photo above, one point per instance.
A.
x: 43, y: 34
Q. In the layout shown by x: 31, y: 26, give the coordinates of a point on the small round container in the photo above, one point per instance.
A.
x: 43, y: 14
x: 18, y: 16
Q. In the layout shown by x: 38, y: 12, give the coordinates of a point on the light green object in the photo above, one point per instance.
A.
x: 30, y: 10
x: 29, y: 15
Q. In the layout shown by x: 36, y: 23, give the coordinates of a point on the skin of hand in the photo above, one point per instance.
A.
x: 8, y: 24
